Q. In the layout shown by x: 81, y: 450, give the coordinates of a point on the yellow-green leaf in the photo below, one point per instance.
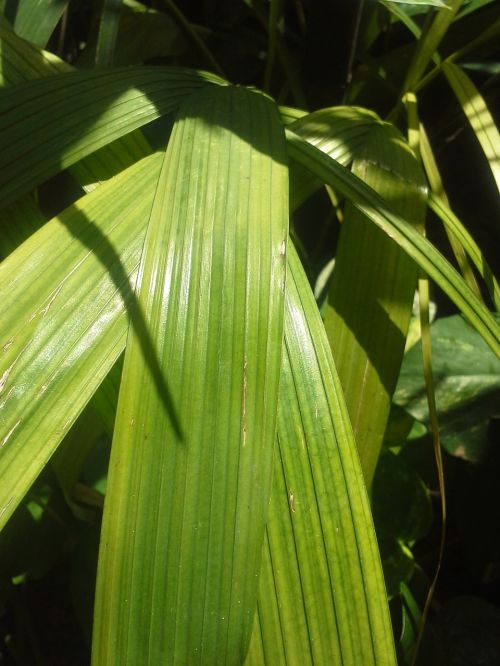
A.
x: 191, y: 461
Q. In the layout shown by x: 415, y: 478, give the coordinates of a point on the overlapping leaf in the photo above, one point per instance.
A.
x: 403, y: 233
x: 373, y: 285
x: 34, y: 22
x: 63, y: 295
x: 52, y: 123
x: 191, y: 463
x: 321, y: 573
x: 478, y: 115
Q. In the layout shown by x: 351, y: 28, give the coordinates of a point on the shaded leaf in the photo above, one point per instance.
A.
x: 34, y: 21
x: 400, y: 501
x: 467, y: 386
x: 50, y: 124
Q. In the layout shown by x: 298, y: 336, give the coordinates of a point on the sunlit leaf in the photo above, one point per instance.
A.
x: 403, y: 233
x: 478, y: 115
x: 321, y: 598
x: 430, y: 3
x: 372, y: 288
x: 195, y: 430
x: 64, y: 321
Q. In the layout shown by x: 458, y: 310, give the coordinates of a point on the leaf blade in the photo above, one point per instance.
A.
x: 35, y: 143
x: 181, y: 488
x: 478, y: 115
x: 403, y: 233
x: 51, y: 362
x: 322, y: 597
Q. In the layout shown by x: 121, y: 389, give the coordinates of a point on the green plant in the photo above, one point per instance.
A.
x: 236, y: 523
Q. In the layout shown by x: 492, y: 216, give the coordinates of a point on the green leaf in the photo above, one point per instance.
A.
x: 431, y: 3
x: 17, y: 222
x: 478, y: 115
x: 322, y: 598
x: 190, y: 470
x: 460, y: 233
x: 403, y: 16
x: 372, y: 289
x: 108, y: 32
x: 64, y: 320
x: 50, y: 124
x: 467, y: 386
x: 70, y: 457
x: 338, y: 131
x: 398, y: 564
x: 400, y: 500
x: 438, y: 201
x: 427, y: 45
x: 21, y: 61
x: 34, y: 21
x: 143, y: 33
x: 402, y: 232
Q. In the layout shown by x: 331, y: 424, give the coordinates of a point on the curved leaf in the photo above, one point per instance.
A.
x: 34, y: 21
x: 402, y: 232
x: 49, y: 124
x: 478, y: 115
x: 337, y: 131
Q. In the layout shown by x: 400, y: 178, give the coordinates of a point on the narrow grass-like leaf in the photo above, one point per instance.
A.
x: 427, y: 46
x: 430, y: 3
x: 191, y: 464
x: 322, y: 598
x: 402, y: 232
x: 473, y: 6
x: 64, y: 294
x: 457, y: 229
x: 405, y: 18
x: 425, y: 328
x: 50, y: 124
x: 34, y: 21
x: 478, y: 115
x: 373, y: 285
x: 437, y: 190
x: 108, y: 32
